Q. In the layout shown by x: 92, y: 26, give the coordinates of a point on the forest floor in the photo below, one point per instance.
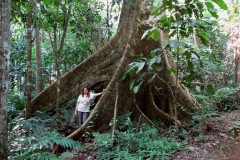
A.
x: 219, y: 142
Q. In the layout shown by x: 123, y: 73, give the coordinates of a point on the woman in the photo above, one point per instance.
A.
x: 83, y: 105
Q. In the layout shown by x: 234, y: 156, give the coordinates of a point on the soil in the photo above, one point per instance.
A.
x: 220, y: 142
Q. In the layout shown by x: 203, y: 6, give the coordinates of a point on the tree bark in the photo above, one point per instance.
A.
x: 57, y: 60
x: 197, y: 45
x: 5, y: 6
x: 28, y: 108
x: 108, y: 65
x: 236, y: 67
x: 39, y: 86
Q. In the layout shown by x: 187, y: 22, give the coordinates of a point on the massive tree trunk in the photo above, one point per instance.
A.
x: 153, y: 101
x: 5, y: 6
x: 28, y: 108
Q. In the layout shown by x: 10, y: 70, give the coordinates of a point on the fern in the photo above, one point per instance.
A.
x: 123, y: 121
x: 37, y: 144
x: 29, y: 138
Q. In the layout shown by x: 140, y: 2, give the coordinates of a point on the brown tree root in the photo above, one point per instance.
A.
x: 144, y: 119
x: 155, y: 113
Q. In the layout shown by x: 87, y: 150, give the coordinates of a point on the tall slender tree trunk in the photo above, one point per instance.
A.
x: 236, y: 67
x: 197, y: 44
x: 57, y: 60
x: 236, y: 73
x: 39, y: 86
x: 5, y: 6
x: 57, y: 56
x: 108, y: 25
x: 28, y: 108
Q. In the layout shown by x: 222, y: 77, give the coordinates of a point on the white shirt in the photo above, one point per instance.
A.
x: 85, y: 102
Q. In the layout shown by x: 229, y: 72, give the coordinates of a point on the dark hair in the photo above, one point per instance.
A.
x: 88, y: 91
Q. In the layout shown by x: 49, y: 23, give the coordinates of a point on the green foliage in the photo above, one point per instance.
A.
x: 32, y: 138
x: 182, y: 22
x: 209, y: 106
x: 203, y: 113
x: 124, y: 121
x: 153, y: 65
x: 86, y: 32
x: 16, y: 104
x: 225, y: 98
x: 137, y: 142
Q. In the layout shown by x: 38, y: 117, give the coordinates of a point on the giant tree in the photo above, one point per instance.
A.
x: 153, y: 101
x: 5, y: 6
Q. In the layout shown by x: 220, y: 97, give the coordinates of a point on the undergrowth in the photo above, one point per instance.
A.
x: 136, y: 142
x: 34, y: 138
x: 210, y: 106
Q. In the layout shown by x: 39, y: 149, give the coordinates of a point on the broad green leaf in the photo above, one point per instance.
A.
x: 209, y: 5
x: 144, y: 34
x: 136, y: 88
x: 131, y: 73
x: 174, y: 44
x: 211, y: 9
x: 28, y: 8
x: 125, y: 75
x: 194, y: 22
x: 204, y: 35
x: 163, y: 19
x: 153, y: 54
x: 154, y: 10
x: 151, y: 63
x: 199, y: 5
x: 155, y: 35
x: 152, y: 78
x: 159, y: 68
x: 221, y: 4
x: 171, y: 71
x: 131, y: 85
x: 140, y: 66
x: 156, y: 3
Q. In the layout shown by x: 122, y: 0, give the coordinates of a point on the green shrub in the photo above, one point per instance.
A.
x: 225, y: 98
x: 15, y: 105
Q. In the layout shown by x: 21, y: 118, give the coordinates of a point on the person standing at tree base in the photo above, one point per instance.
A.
x: 83, y: 105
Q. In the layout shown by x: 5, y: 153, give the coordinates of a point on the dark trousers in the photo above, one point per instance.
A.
x: 82, y: 117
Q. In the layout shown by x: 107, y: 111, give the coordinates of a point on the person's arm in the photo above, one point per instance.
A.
x: 98, y: 94
x: 75, y: 113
